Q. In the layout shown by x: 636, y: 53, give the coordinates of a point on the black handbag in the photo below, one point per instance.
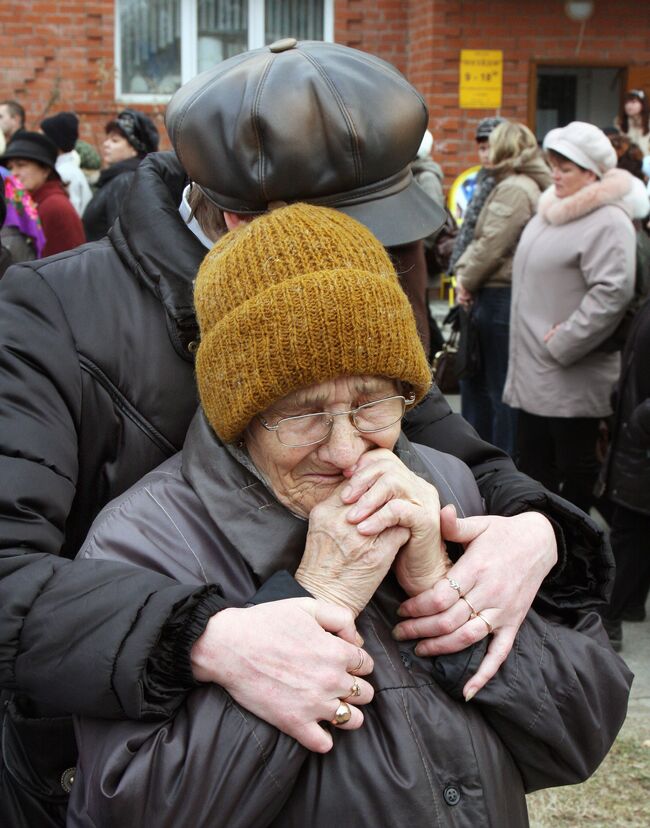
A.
x: 444, y: 367
x: 460, y: 356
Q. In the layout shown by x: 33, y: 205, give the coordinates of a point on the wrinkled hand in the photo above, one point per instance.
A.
x: 340, y: 565
x: 384, y: 494
x: 505, y: 561
x: 281, y: 662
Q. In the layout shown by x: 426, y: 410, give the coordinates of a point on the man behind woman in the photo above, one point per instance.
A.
x: 295, y: 480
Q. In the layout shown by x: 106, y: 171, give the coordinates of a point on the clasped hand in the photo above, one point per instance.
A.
x: 383, y: 515
x: 290, y: 662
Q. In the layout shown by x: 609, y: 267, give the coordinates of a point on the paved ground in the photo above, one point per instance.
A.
x: 636, y: 636
x: 636, y: 652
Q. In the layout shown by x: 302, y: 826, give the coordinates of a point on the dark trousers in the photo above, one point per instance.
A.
x: 481, y: 403
x: 560, y: 452
x: 630, y: 538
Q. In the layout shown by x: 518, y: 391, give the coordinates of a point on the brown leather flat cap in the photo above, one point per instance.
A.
x: 307, y: 121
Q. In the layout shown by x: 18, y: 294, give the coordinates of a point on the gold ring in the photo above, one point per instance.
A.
x: 343, y: 713
x: 486, y: 622
x: 355, y: 690
x: 360, y: 664
x: 453, y: 583
x: 472, y: 611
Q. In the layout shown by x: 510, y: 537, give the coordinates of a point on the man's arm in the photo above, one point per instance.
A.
x: 75, y: 635
x: 555, y: 554
x: 583, y: 574
x: 97, y: 637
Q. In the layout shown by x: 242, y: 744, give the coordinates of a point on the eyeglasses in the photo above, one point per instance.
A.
x: 309, y: 429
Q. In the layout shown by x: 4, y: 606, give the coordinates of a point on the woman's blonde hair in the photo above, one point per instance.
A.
x: 509, y: 140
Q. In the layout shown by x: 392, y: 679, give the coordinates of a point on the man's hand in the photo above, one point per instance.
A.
x: 340, y: 565
x: 505, y: 561
x: 289, y: 662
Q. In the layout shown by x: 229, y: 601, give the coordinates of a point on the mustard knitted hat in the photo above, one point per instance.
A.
x: 300, y: 295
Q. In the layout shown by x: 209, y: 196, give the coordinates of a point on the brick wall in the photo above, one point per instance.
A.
x: 379, y: 27
x: 59, y: 54
x: 436, y: 30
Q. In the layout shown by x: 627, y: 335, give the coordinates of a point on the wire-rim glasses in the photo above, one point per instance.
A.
x: 309, y: 429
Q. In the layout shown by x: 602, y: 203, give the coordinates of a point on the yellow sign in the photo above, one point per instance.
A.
x: 481, y: 78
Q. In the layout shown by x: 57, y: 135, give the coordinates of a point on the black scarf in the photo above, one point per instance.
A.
x: 485, y: 182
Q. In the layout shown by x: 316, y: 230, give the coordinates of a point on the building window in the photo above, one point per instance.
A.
x: 161, y: 44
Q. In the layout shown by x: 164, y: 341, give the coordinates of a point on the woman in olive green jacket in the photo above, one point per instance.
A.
x: 484, y: 274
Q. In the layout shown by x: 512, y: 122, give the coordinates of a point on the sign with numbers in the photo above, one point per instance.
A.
x: 481, y: 78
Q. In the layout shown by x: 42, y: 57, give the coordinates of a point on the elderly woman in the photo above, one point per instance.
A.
x: 484, y: 273
x: 295, y: 481
x: 31, y: 157
x: 573, y: 276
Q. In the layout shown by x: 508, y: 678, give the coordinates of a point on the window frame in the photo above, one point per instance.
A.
x: 189, y: 43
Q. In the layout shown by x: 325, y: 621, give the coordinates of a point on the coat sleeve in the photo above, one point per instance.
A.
x: 583, y: 576
x: 607, y: 263
x: 557, y: 702
x: 212, y: 764
x: 501, y: 221
x: 76, y: 635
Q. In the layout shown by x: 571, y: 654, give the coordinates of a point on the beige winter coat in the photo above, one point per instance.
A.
x: 574, y: 267
x: 487, y: 261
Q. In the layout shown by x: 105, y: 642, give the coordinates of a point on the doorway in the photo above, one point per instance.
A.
x: 576, y: 93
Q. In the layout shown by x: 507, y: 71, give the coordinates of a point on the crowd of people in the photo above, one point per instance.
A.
x: 552, y: 267
x: 254, y: 571
x: 48, y: 165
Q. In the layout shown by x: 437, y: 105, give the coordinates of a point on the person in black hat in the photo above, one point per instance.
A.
x: 97, y: 388
x: 63, y: 130
x: 31, y: 157
x: 129, y: 138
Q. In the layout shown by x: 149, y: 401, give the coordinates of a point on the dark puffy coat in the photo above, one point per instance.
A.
x: 423, y: 757
x: 628, y: 467
x: 105, y: 206
x: 98, y: 389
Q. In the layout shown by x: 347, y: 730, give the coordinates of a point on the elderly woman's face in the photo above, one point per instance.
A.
x: 304, y: 476
x: 569, y: 177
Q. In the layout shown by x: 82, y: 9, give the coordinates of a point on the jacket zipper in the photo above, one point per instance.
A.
x: 127, y: 408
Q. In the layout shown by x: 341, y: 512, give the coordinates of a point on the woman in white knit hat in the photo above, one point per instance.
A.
x: 573, y: 276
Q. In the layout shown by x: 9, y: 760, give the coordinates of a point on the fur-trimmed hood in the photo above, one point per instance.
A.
x: 617, y: 187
